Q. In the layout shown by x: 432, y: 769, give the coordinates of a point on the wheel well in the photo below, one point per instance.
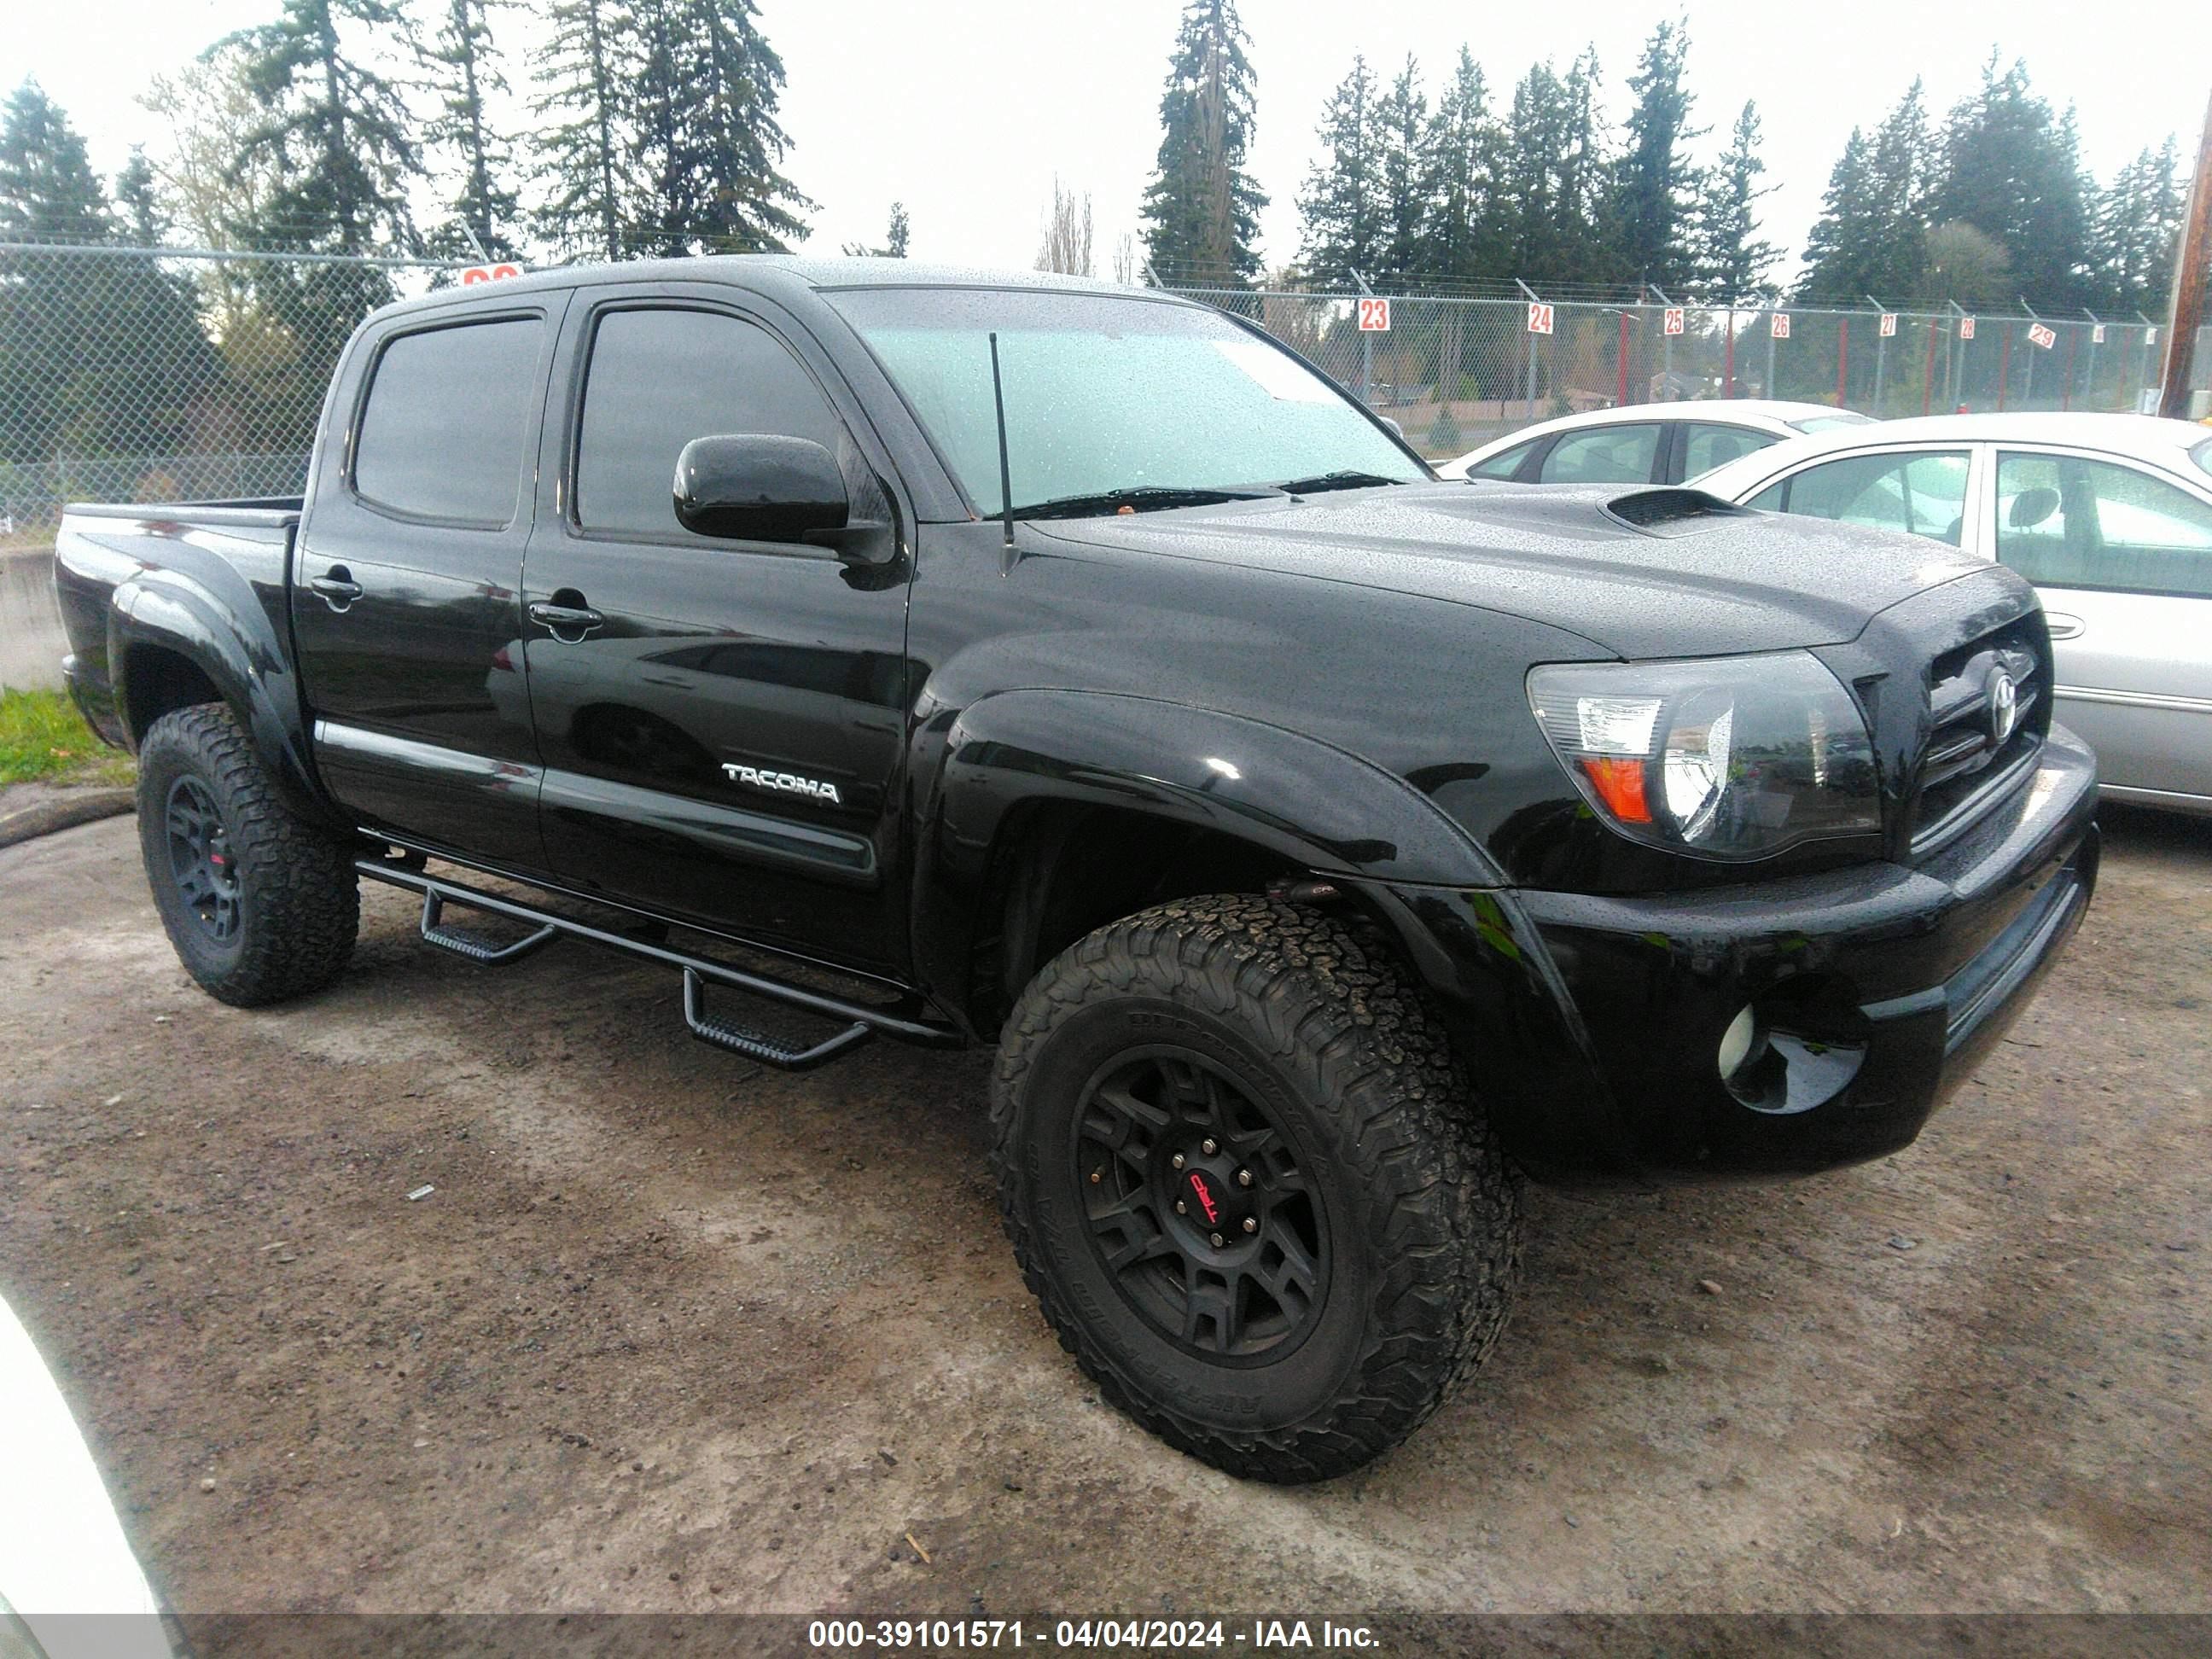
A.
x: 1061, y: 869
x: 158, y: 681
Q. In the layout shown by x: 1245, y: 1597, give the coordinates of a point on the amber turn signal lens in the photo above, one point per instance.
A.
x: 1619, y: 784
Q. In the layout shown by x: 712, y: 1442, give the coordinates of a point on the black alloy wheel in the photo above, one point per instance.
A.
x: 200, y: 859
x: 1198, y: 1207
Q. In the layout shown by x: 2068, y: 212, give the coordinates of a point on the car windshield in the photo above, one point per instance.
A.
x: 1123, y: 402
x: 1827, y: 423
x: 2202, y: 455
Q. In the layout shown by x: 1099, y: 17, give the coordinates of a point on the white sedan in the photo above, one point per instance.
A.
x: 2110, y: 515
x: 1643, y: 443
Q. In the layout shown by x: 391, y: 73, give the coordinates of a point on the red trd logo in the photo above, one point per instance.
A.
x: 1205, y: 1198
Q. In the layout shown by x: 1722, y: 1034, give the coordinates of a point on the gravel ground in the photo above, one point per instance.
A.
x: 674, y: 1334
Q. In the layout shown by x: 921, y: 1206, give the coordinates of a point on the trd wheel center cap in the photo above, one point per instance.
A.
x: 1212, y: 1202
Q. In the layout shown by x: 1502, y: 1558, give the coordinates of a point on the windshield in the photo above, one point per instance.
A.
x: 1107, y: 395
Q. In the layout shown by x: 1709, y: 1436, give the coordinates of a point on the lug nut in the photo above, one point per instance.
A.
x: 1177, y: 1160
x: 1209, y: 1146
x: 1216, y: 1241
x: 1181, y: 1208
x: 1244, y: 1177
x: 1251, y: 1224
x: 1097, y: 1175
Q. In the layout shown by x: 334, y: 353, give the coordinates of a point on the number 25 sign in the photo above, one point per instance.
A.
x: 1374, y: 316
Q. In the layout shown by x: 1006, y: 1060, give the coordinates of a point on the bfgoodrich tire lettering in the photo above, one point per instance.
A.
x: 259, y: 905
x: 1414, y: 1216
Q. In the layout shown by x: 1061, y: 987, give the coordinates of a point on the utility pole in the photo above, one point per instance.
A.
x: 2186, y: 312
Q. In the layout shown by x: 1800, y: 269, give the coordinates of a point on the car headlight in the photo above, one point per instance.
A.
x: 1726, y: 757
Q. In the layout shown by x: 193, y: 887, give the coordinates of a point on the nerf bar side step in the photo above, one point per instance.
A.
x: 863, y: 1021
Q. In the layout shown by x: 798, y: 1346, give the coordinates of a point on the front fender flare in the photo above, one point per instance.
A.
x: 1307, y: 801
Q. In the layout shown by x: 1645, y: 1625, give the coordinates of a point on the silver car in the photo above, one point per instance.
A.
x: 2110, y: 515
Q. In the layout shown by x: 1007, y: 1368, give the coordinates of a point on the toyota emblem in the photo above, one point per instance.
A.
x: 2004, y: 708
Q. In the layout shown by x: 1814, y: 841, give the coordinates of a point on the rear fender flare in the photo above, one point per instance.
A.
x: 228, y: 638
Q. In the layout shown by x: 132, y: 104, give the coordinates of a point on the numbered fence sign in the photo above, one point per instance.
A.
x: 1539, y: 317
x: 2150, y: 337
x: 1887, y: 328
x: 489, y: 273
x: 2038, y: 334
x: 1374, y: 316
x: 1672, y: 322
x: 1965, y: 328
x: 1778, y: 326
x: 2096, y: 334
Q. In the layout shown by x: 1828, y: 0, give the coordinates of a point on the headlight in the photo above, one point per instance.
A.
x: 1728, y: 758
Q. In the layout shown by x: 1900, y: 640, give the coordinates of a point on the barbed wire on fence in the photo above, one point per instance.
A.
x: 156, y: 374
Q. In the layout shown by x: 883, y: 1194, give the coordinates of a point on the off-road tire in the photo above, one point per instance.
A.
x: 1423, y: 1207
x: 298, y: 899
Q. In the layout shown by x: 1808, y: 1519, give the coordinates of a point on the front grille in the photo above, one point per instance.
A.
x: 1970, y: 762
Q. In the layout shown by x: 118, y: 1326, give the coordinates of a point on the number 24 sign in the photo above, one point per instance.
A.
x: 1374, y: 316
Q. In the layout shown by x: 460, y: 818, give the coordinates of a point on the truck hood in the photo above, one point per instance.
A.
x: 1639, y: 572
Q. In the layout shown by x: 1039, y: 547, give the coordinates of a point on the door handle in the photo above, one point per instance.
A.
x: 580, y: 617
x: 2065, y: 627
x: 338, y: 587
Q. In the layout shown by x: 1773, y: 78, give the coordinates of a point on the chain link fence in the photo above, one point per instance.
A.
x: 1456, y: 373
x: 150, y: 374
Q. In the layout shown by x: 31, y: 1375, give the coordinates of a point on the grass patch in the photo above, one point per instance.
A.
x: 43, y: 739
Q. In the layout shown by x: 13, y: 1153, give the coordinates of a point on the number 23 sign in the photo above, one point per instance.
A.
x: 1374, y: 316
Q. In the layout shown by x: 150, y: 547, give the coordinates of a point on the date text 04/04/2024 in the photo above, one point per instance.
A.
x: 1170, y: 1635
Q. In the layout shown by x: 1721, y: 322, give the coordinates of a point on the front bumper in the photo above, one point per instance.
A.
x: 1593, y: 1027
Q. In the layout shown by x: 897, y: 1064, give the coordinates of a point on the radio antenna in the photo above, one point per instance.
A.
x: 1006, y: 473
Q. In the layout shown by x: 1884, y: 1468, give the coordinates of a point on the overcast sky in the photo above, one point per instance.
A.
x: 966, y: 112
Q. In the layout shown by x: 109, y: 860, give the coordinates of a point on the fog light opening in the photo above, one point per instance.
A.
x: 1737, y: 1041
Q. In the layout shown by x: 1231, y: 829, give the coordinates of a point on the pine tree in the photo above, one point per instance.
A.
x: 335, y: 127
x: 2012, y: 170
x: 583, y: 70
x: 2136, y: 222
x: 136, y: 195
x: 709, y: 82
x: 1340, y: 207
x: 1655, y: 183
x: 1729, y: 259
x: 1551, y: 179
x: 1843, y: 248
x: 1588, y: 226
x: 465, y: 73
x: 1459, y: 164
x: 1402, y: 116
x: 1900, y: 167
x: 98, y: 356
x: 894, y: 239
x: 1202, y: 209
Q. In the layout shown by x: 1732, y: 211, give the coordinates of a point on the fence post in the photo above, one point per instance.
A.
x: 2097, y: 327
x: 1881, y: 355
x: 1366, y: 344
x: 1620, y: 363
x: 1928, y: 373
x: 1532, y: 300
x: 1728, y: 365
x: 2066, y: 374
x: 1767, y: 391
x: 2005, y: 366
x: 1843, y: 359
x: 1666, y: 345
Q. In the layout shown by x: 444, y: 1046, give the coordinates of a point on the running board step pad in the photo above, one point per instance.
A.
x: 752, y: 1044
x: 475, y: 946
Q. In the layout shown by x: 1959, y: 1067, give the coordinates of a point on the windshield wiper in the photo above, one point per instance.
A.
x: 1138, y: 498
x: 1346, y: 480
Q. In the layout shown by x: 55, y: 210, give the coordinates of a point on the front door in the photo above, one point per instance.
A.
x: 722, y: 723
x: 405, y: 602
x: 2124, y: 559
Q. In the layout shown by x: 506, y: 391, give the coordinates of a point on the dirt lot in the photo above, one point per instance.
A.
x: 674, y: 1334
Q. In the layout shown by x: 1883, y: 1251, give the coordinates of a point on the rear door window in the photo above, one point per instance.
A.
x: 442, y: 435
x: 661, y: 377
x: 1706, y: 445
x: 2068, y: 521
x: 1604, y: 454
x: 1922, y: 494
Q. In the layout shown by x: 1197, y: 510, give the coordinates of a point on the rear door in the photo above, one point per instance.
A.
x: 2123, y: 558
x: 1702, y: 446
x: 405, y: 604
x: 722, y: 723
x: 1622, y: 452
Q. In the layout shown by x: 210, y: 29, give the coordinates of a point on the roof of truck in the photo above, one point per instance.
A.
x: 769, y: 273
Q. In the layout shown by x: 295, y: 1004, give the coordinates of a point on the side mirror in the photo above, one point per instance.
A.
x: 759, y: 487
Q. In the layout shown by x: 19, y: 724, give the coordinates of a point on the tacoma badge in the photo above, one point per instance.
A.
x: 789, y: 783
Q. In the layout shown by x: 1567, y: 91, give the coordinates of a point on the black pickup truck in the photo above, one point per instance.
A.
x: 1073, y: 668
